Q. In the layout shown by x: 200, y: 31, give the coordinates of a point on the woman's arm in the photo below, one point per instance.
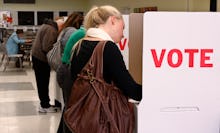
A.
x: 17, y: 40
x: 116, y: 71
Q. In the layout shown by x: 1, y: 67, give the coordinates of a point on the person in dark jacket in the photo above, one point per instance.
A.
x: 45, y: 38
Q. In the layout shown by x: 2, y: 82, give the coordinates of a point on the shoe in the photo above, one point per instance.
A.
x: 57, y: 105
x: 47, y: 110
x: 58, y: 108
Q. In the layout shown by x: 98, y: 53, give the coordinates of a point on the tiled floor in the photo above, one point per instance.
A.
x: 19, y: 103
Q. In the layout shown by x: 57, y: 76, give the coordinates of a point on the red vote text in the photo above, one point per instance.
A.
x: 160, y: 55
x: 122, y: 44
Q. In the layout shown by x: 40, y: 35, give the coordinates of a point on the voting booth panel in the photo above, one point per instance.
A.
x: 181, y: 73
x: 136, y: 45
x: 123, y: 44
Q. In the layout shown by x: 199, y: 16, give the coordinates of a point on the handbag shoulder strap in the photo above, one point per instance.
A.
x: 75, y: 47
x: 97, y: 59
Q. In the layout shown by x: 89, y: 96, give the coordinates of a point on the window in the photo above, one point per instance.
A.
x: 25, y: 18
x: 63, y: 13
x: 41, y: 16
x: 19, y: 1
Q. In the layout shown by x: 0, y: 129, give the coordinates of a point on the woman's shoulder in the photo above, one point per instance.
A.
x: 66, y: 32
x: 70, y: 29
x: 111, y: 50
x: 79, y: 33
x: 46, y: 29
x: 111, y: 46
x: 13, y: 34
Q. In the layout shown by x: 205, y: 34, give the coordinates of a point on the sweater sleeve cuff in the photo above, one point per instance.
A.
x: 133, y: 101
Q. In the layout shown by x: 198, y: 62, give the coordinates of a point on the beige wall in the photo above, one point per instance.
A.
x: 85, y: 5
x: 45, y: 5
x: 163, y: 5
x: 199, y: 5
x: 125, y: 6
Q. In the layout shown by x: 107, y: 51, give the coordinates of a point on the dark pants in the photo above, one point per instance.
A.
x: 42, y: 74
x: 65, y: 82
x: 62, y: 126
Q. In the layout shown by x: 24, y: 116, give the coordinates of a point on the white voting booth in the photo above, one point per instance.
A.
x: 123, y: 44
x: 181, y: 73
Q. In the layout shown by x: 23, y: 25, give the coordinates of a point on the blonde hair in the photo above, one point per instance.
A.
x: 99, y: 15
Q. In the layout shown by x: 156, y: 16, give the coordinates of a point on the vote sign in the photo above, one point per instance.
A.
x: 181, y: 73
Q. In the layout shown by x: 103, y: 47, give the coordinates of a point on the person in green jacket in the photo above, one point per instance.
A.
x: 74, y: 37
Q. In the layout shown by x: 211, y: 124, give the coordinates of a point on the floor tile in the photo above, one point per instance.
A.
x: 19, y: 103
x: 14, y: 72
x: 26, y: 108
x: 16, y: 86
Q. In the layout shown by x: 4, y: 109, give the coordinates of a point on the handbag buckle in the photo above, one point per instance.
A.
x: 91, y: 77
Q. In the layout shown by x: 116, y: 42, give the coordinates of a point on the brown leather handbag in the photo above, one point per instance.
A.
x: 96, y: 106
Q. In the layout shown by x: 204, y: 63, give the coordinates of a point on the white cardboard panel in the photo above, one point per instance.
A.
x: 181, y: 95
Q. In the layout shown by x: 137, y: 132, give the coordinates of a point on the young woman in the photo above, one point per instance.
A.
x: 106, y: 23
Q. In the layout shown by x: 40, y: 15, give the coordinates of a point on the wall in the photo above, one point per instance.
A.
x: 200, y: 5
x: 84, y: 5
x: 125, y: 6
x: 79, y: 5
x: 45, y: 5
x: 163, y: 5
